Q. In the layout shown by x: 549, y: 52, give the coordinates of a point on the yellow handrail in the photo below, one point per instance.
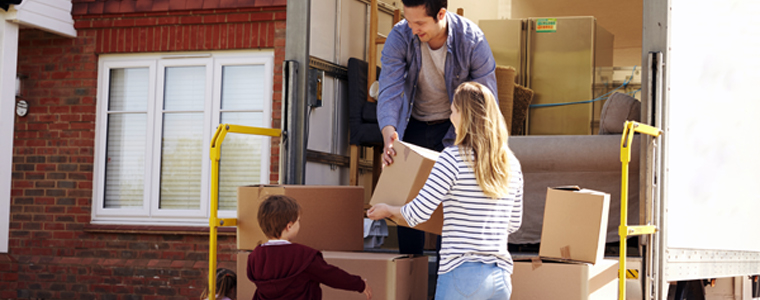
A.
x: 624, y: 231
x: 213, y: 221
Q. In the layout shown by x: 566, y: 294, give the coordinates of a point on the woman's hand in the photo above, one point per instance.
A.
x: 382, y: 211
x: 379, y: 212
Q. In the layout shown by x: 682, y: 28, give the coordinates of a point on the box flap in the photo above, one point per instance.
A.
x: 406, y: 148
x: 567, y: 188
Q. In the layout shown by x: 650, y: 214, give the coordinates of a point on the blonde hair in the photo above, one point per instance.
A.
x: 226, y: 283
x: 482, y: 134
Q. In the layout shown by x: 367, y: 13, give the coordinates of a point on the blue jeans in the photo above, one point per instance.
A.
x: 474, y: 280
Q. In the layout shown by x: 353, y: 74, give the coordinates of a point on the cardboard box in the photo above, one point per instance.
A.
x: 391, y: 276
x: 332, y: 217
x: 568, y: 281
x: 400, y: 182
x: 575, y: 224
x: 245, y: 287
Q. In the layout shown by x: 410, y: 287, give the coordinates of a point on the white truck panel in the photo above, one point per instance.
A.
x: 711, y: 137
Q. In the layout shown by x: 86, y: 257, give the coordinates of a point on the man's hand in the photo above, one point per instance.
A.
x: 389, y: 135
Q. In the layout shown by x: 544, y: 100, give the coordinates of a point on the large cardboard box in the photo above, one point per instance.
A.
x: 400, y: 182
x: 391, y: 276
x: 568, y: 281
x: 332, y: 217
x: 575, y: 224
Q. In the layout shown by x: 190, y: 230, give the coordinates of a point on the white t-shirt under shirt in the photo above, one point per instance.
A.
x: 431, y: 100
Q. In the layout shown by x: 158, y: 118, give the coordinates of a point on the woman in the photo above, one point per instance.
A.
x: 479, y: 182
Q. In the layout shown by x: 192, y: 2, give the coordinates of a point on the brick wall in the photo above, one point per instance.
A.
x: 54, y: 252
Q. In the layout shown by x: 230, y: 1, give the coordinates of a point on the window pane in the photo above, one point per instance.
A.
x: 128, y: 90
x: 240, y: 163
x: 243, y: 87
x: 185, y: 88
x: 181, y: 161
x: 125, y: 161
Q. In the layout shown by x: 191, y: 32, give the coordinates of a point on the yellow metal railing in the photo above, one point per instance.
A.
x: 624, y: 230
x: 213, y: 221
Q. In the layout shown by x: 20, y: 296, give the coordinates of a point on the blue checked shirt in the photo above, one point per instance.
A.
x: 469, y: 58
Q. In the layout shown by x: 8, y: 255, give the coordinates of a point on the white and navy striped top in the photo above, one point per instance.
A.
x: 475, y: 227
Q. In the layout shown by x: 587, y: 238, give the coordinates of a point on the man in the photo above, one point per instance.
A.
x: 425, y: 57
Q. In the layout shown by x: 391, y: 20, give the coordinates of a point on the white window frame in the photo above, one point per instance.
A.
x: 149, y: 213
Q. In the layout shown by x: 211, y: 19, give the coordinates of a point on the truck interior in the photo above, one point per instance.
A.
x: 570, y: 74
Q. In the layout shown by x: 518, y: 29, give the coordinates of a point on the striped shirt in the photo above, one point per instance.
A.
x: 475, y: 227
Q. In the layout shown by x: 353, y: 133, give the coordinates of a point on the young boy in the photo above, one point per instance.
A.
x: 283, y: 270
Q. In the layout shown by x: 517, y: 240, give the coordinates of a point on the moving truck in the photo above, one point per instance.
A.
x: 699, y: 64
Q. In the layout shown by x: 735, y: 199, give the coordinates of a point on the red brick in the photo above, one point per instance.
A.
x: 51, y: 100
x: 206, y: 37
x: 121, y: 39
x: 233, y: 18
x: 124, y: 22
x: 161, y: 38
x: 224, y: 36
x: 142, y: 22
x: 167, y: 21
x: 129, y: 40
x: 148, y: 39
x: 190, y: 20
x: 112, y: 40
x: 262, y: 17
x: 54, y: 226
x: 211, y: 19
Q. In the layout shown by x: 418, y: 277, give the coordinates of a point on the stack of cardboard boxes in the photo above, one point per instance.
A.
x: 571, y: 262
x: 332, y: 222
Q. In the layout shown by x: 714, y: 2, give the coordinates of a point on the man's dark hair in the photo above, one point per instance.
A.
x: 276, y: 212
x: 432, y: 7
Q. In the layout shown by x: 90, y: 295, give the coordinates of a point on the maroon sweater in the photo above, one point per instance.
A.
x: 294, y: 271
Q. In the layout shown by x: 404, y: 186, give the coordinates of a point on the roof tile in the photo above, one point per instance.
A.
x: 111, y: 7
x: 96, y: 8
x: 261, y: 3
x: 227, y: 3
x: 79, y: 8
x: 176, y: 4
x: 143, y: 5
x: 160, y: 5
x: 194, y: 4
x: 127, y: 6
x: 210, y: 4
